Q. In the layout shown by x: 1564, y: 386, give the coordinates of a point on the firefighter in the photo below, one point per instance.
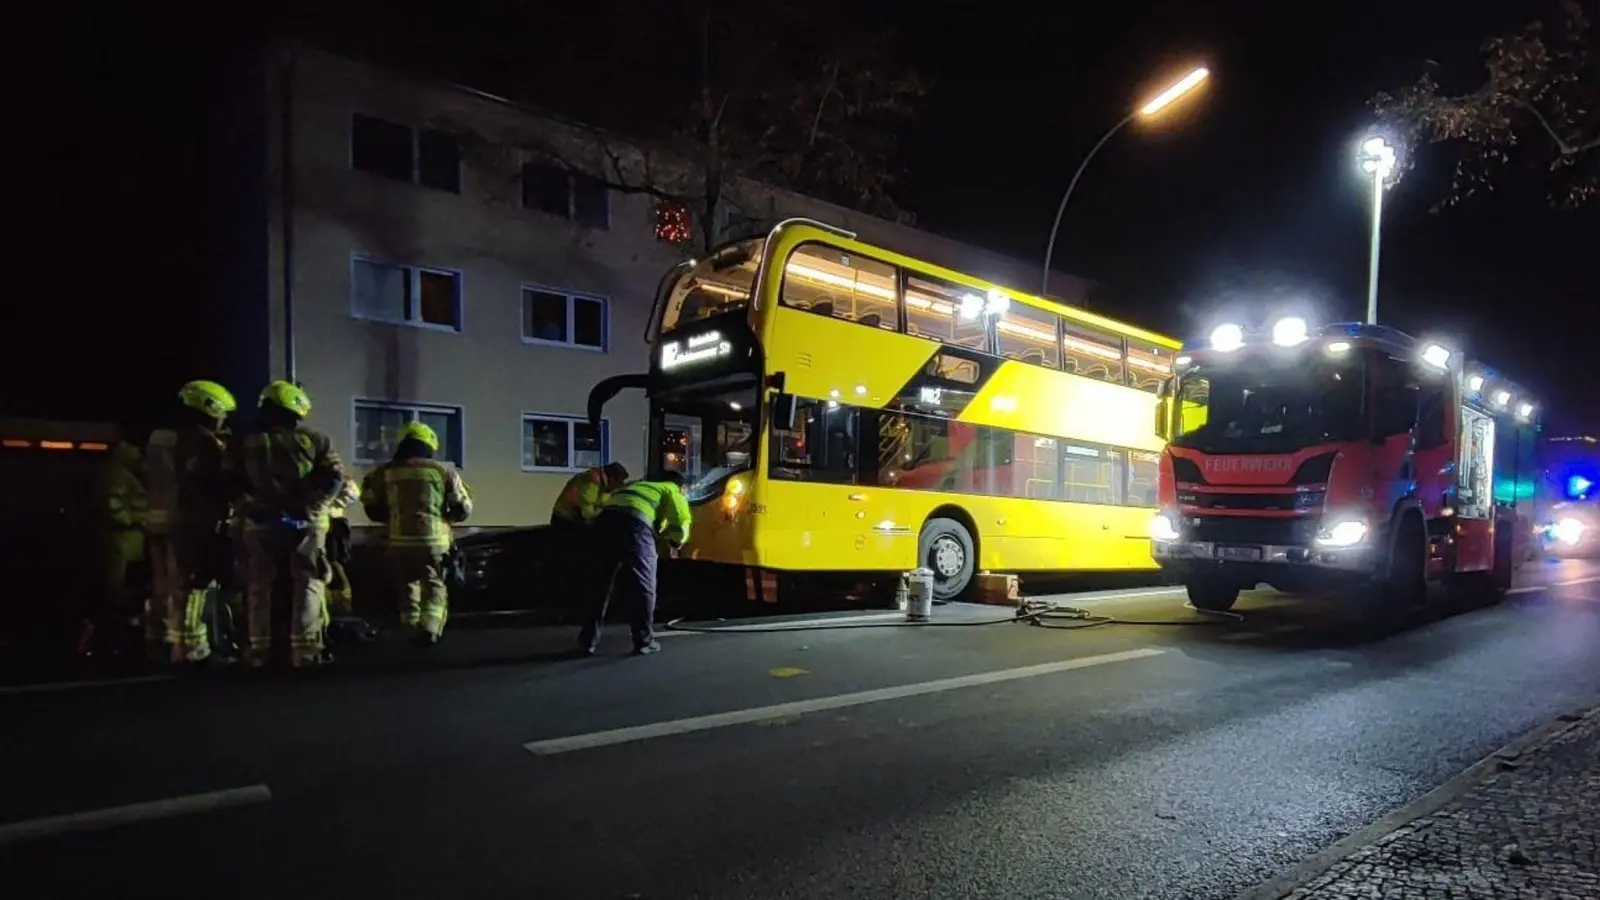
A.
x: 291, y: 478
x: 418, y: 498
x: 125, y: 544
x: 189, y: 489
x: 584, y: 493
x: 629, y: 524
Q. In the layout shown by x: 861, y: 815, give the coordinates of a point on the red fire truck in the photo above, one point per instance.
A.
x: 1351, y: 457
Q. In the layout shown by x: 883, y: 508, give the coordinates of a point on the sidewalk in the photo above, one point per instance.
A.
x: 1523, y: 824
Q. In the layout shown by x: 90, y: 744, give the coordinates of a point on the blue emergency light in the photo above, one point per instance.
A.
x: 1578, y: 487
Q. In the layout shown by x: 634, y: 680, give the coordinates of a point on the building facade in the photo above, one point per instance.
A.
x: 414, y: 260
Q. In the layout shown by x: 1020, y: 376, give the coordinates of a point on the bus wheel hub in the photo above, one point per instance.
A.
x: 948, y: 556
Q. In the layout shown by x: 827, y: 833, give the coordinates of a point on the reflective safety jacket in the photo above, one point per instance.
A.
x: 289, y: 472
x: 417, y: 499
x: 660, y: 504
x: 126, y: 502
x: 188, y: 480
x: 581, y: 499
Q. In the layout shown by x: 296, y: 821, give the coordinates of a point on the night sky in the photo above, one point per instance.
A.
x: 1246, y: 198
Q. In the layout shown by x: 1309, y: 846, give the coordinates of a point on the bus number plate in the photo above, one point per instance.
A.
x: 1245, y: 554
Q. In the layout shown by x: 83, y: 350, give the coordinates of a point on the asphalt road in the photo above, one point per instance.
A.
x: 994, y: 761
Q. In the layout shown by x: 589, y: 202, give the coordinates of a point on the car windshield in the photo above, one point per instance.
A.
x: 720, y: 283
x: 1253, y: 406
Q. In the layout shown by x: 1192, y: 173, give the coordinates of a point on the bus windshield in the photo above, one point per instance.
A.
x: 720, y: 283
x: 708, y: 440
x: 1255, y: 407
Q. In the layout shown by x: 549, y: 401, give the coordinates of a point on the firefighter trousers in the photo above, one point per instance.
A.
x: 298, y: 556
x: 418, y: 570
x: 181, y: 581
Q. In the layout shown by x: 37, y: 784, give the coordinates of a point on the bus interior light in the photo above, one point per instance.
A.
x: 1339, y: 347
x: 1501, y: 398
x: 1525, y: 410
x: 1289, y: 332
x: 1475, y: 383
x: 1227, y: 338
x: 1183, y: 360
x: 971, y: 306
x: 1436, y: 356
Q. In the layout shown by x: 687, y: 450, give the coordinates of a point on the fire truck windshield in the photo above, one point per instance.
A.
x: 1265, y: 405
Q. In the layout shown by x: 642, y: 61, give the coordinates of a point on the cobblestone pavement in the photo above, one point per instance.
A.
x: 1531, y: 830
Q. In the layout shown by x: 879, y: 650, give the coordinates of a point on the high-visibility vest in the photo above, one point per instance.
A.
x: 660, y: 504
x: 582, y: 497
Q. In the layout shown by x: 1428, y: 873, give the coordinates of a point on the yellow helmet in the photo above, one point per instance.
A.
x: 421, y: 433
x: 289, y: 396
x: 208, y: 397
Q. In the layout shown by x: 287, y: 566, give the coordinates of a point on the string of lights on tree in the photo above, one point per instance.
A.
x: 673, y: 223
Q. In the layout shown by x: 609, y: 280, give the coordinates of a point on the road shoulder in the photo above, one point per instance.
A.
x: 1324, y: 874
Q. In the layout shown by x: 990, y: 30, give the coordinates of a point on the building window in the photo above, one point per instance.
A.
x: 551, y: 316
x: 557, y: 443
x: 573, y: 196
x: 405, y: 295
x: 378, y: 424
x: 420, y: 156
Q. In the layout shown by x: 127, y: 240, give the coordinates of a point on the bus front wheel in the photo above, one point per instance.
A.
x: 946, y: 547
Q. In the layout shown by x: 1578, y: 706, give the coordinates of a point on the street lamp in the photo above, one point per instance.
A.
x: 1153, y: 107
x: 1377, y: 159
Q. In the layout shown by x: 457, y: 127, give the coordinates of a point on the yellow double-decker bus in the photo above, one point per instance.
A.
x: 841, y: 408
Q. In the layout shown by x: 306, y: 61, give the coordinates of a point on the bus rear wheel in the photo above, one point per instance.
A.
x: 946, y: 547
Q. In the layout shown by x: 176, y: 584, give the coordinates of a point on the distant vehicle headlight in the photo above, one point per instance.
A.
x: 1569, y: 531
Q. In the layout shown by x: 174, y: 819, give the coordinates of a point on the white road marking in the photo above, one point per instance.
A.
x: 113, y: 816
x: 1554, y: 584
x: 592, y: 740
x: 76, y: 685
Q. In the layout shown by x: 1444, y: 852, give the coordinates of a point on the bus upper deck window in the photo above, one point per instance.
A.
x: 828, y: 282
x: 1029, y: 335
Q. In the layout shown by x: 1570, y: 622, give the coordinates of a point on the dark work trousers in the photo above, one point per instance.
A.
x: 627, y: 552
x: 575, y: 562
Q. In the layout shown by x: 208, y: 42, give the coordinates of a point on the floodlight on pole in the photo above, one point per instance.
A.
x: 1377, y: 159
x: 1168, y: 96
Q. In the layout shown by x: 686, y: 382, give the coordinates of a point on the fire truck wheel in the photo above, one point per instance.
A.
x: 1406, y: 583
x: 1212, y: 594
x: 946, y: 547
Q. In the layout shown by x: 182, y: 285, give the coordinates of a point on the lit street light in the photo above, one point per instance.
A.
x: 1153, y: 107
x: 1377, y: 159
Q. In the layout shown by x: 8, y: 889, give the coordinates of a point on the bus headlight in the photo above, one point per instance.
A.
x: 733, y: 497
x: 1569, y: 531
x: 1163, y: 528
x: 1347, y: 533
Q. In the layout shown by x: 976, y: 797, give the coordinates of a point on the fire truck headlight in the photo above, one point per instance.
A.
x: 1289, y: 332
x: 1227, y: 338
x: 1163, y: 528
x: 1569, y: 531
x: 1348, y: 533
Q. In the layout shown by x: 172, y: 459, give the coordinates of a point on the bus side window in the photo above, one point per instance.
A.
x: 1091, y: 353
x: 1142, y: 469
x: 825, y: 281
x: 822, y: 447
x: 1029, y: 335
x: 1091, y: 474
x: 1149, y: 366
x: 934, y: 310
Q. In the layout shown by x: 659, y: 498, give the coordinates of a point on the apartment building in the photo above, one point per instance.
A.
x: 409, y: 259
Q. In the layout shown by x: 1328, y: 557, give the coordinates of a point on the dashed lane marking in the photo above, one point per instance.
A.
x: 553, y: 746
x: 114, y: 816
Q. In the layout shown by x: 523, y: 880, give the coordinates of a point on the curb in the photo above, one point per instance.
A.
x: 1315, y: 865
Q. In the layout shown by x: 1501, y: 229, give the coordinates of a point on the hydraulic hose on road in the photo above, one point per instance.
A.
x: 1081, y: 619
